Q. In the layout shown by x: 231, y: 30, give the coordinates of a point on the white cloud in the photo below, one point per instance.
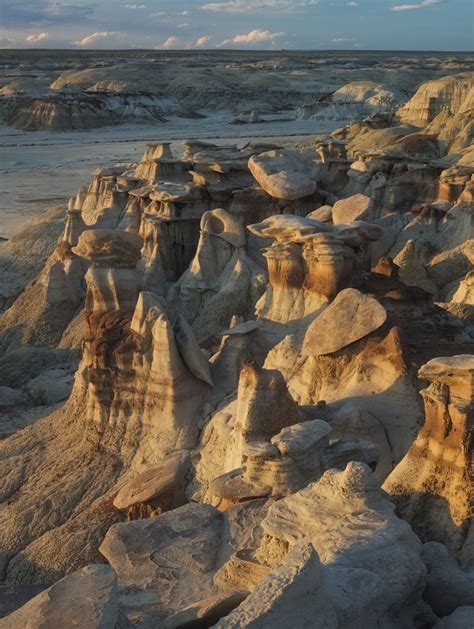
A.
x: 339, y: 40
x: 419, y: 5
x: 352, y: 4
x: 201, y: 41
x: 158, y: 14
x: 171, y: 42
x: 254, y: 37
x: 94, y: 38
x: 244, y: 6
x: 35, y: 38
x: 134, y: 6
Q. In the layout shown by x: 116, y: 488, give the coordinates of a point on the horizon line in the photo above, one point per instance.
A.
x: 266, y: 50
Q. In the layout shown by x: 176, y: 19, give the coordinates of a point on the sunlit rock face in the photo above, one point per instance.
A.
x: 432, y: 486
x: 126, y: 335
x: 222, y: 280
x: 309, y: 263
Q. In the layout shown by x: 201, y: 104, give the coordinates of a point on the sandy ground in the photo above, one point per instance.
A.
x: 39, y: 170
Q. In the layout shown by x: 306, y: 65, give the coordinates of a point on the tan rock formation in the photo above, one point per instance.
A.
x: 355, y: 208
x: 309, y: 263
x: 221, y: 281
x: 285, y: 174
x: 351, y: 316
x: 432, y: 486
x: 87, y: 598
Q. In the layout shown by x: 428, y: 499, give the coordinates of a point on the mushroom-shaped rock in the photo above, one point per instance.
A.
x: 109, y: 247
x: 355, y: 208
x: 287, y: 227
x: 86, y: 598
x: 220, y: 223
x: 351, y: 316
x: 284, y: 173
x: 438, y: 502
x: 162, y: 487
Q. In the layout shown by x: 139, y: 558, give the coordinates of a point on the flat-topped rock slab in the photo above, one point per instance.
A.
x: 355, y: 208
x: 284, y: 173
x: 351, y: 316
x: 301, y: 437
x: 153, y: 483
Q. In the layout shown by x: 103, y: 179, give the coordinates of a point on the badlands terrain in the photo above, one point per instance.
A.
x: 237, y: 364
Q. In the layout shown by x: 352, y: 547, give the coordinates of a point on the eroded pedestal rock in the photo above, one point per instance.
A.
x: 432, y: 486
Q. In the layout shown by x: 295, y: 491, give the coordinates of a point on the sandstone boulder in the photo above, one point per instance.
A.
x: 161, y: 487
x: 355, y: 208
x: 286, y: 227
x: 171, y: 555
x: 322, y: 214
x: 293, y: 594
x: 284, y: 173
x: 462, y: 618
x: 109, y: 247
x: 86, y: 598
x: 448, y: 586
x: 351, y: 316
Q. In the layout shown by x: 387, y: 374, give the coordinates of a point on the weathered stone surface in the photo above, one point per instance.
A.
x: 284, y: 173
x: 462, y: 618
x: 438, y: 501
x: 11, y: 397
x: 109, y: 247
x: 241, y: 329
x: 206, y: 612
x: 300, y: 437
x: 355, y: 208
x: 293, y: 594
x: 322, y: 214
x: 286, y: 227
x: 171, y: 555
x: 87, y: 598
x: 223, y: 225
x: 448, y: 586
x: 353, y: 528
x: 158, y: 483
x: 351, y: 316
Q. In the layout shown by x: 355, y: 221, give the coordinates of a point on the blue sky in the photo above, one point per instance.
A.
x: 244, y: 24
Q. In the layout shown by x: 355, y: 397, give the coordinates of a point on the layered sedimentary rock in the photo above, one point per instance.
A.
x: 432, y: 486
x: 126, y: 333
x: 243, y: 425
x: 309, y: 263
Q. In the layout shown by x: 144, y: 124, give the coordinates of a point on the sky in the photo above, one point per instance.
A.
x: 239, y: 24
